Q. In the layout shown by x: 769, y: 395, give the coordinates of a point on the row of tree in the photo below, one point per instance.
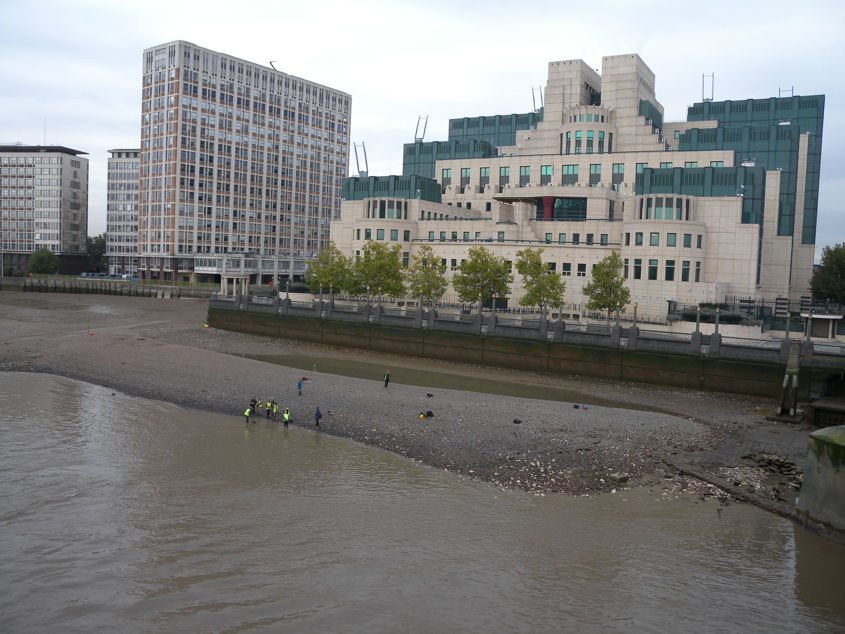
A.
x: 481, y: 278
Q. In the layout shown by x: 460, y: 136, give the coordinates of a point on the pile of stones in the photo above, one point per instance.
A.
x: 788, y: 478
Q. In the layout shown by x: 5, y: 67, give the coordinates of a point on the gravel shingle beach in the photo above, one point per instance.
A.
x: 161, y: 349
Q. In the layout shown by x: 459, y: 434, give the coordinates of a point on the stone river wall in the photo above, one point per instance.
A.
x: 697, y: 361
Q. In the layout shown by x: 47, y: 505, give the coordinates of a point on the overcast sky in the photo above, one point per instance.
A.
x: 77, y: 65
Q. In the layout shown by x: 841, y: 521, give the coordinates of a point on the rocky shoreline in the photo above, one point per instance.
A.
x: 161, y: 349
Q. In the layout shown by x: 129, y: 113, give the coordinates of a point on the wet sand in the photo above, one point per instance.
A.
x: 161, y: 349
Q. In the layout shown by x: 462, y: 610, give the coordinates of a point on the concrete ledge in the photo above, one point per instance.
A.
x: 823, y: 493
x: 578, y: 353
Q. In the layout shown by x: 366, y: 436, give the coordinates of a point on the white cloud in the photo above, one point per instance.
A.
x: 78, y: 64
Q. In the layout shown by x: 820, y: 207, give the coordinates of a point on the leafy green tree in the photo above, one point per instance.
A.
x: 426, y: 277
x: 606, y: 290
x: 482, y: 276
x: 828, y: 280
x: 329, y: 270
x: 543, y: 287
x: 380, y: 268
x: 97, y: 252
x: 43, y: 261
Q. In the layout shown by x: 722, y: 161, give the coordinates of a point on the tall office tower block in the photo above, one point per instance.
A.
x: 43, y: 205
x: 241, y: 166
x: 122, y: 212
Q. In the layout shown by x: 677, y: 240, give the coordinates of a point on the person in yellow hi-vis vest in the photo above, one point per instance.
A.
x: 286, y: 416
x: 247, y: 414
x: 275, y: 411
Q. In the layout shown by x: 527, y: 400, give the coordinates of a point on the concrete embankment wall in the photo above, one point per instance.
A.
x: 745, y: 376
x: 98, y: 287
x: 109, y: 287
x: 822, y: 496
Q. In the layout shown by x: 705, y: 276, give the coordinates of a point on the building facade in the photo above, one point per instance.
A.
x: 241, y: 166
x: 43, y: 205
x: 721, y: 205
x: 122, y: 211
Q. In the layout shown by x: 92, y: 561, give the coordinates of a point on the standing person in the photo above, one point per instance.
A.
x: 286, y: 416
x: 268, y: 406
x: 257, y: 409
x: 317, y: 417
x: 386, y: 378
x: 252, y: 404
x: 299, y: 387
x: 247, y: 414
x: 275, y: 410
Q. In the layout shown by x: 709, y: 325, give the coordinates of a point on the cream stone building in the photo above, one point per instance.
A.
x: 722, y: 205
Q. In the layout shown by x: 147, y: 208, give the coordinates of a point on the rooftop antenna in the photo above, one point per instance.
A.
x: 534, y: 101
x: 366, y: 170
x: 271, y: 65
x: 790, y: 90
x: 712, y: 77
x: 417, y: 135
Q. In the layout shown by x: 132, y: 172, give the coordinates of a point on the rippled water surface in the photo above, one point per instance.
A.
x: 122, y: 514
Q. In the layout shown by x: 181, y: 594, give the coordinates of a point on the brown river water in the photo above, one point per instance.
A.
x: 121, y: 514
